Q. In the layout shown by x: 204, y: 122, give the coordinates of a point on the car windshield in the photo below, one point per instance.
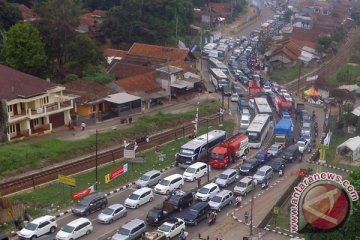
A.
x: 165, y: 228
x: 241, y: 184
x: 145, y: 178
x: 273, y: 148
x: 254, y: 137
x: 306, y: 125
x: 217, y: 156
x: 124, y: 231
x: 216, y: 199
x: 190, y: 170
x: 67, y: 229
x: 154, y: 213
x: 245, y: 166
x: 108, y: 211
x: 204, y: 190
x: 31, y: 226
x: 223, y: 176
x: 164, y: 182
x: 260, y: 173
x: 301, y: 144
x: 134, y: 197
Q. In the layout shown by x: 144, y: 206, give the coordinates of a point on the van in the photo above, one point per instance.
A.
x: 139, y: 197
x: 149, y: 179
x: 291, y: 153
x: 244, y: 186
x: 244, y: 121
x: 90, y: 204
x: 170, y: 183
x: 38, y: 227
x: 75, y: 229
x: 226, y: 178
x: 263, y: 174
x: 195, y: 171
x: 222, y: 199
x: 196, y: 213
x: 131, y: 230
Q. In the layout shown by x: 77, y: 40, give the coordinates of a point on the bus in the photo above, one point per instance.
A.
x: 262, y: 106
x: 258, y: 129
x: 207, y: 48
x: 214, y: 63
x: 218, y: 78
x: 196, y: 149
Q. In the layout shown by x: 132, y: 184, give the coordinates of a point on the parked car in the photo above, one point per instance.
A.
x: 221, y: 200
x: 170, y: 183
x: 75, y: 229
x: 267, y: 89
x: 207, y: 192
x: 38, y: 227
x: 302, y: 145
x: 234, y: 97
x: 130, y: 231
x: 90, y: 204
x: 112, y: 213
x: 180, y: 199
x: 195, y: 171
x: 172, y: 227
x: 244, y: 186
x: 196, y: 213
x: 149, y: 179
x: 226, y: 178
x: 278, y: 164
x: 275, y: 150
x: 139, y: 197
x: 263, y: 174
x: 249, y: 167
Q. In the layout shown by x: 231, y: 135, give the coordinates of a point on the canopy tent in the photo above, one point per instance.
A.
x: 312, y: 92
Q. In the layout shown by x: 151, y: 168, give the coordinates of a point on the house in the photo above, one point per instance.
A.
x: 124, y: 104
x: 89, y: 103
x: 350, y: 149
x: 91, y: 23
x: 28, y: 14
x: 34, y: 105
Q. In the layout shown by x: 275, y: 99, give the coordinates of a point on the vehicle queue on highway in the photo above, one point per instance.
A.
x: 259, y: 112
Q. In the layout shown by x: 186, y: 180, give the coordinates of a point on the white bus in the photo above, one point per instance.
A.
x: 215, y: 63
x: 195, y: 150
x: 218, y: 78
x: 262, y: 106
x: 258, y: 129
x: 207, y: 48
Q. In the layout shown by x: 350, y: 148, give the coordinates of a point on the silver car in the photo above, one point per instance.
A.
x: 226, y: 177
x: 112, y: 213
x: 222, y: 199
x: 149, y: 179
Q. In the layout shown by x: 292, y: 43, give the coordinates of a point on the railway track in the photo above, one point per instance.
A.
x: 35, y: 179
x: 330, y: 67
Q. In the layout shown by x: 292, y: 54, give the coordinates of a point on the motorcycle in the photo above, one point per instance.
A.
x: 212, y: 218
x: 281, y: 173
x: 264, y: 185
x: 238, y: 201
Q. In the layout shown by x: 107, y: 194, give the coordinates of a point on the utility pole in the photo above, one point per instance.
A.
x: 207, y: 150
x: 176, y: 27
x: 298, y: 82
x: 96, y: 158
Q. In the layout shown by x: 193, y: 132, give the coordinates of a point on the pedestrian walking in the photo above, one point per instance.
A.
x: 130, y: 120
x: 246, y: 217
x: 26, y: 216
x: 199, y: 182
x: 83, y: 126
x: 244, y: 158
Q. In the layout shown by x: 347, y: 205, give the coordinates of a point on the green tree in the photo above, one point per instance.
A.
x: 323, y: 43
x: 3, y: 120
x: 98, y: 74
x: 24, y: 49
x: 59, y: 19
x: 82, y: 53
x: 9, y: 14
x: 355, y: 15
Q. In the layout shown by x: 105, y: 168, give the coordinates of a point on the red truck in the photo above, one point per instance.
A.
x: 254, y: 89
x: 227, y: 151
x: 282, y: 105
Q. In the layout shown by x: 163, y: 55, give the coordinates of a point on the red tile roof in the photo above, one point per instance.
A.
x: 89, y: 91
x: 220, y: 9
x: 110, y: 52
x: 122, y: 70
x: 154, y: 51
x: 15, y: 84
x: 27, y: 13
x: 141, y: 83
x: 100, y: 13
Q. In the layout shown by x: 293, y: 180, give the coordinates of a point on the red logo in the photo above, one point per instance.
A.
x: 325, y: 206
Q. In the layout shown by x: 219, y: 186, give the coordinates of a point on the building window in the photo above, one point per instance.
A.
x: 11, y: 128
x: 94, y: 108
x: 44, y: 100
x: 10, y: 108
x: 36, y: 122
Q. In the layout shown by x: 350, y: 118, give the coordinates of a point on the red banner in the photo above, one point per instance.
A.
x: 78, y: 195
x: 117, y: 172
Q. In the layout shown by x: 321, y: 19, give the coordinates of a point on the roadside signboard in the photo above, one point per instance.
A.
x: 117, y: 172
x: 69, y: 181
x: 83, y: 193
x: 276, y: 210
x: 129, y: 153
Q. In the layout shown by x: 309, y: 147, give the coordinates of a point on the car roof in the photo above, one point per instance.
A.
x: 172, y: 220
x: 115, y: 206
x: 292, y: 147
x: 246, y: 179
x: 199, y: 205
x: 78, y: 221
x: 142, y: 190
x: 171, y: 177
x: 264, y: 168
x: 210, y: 185
x: 197, y: 165
x: 223, y: 193
x: 228, y: 171
x: 152, y: 172
x: 133, y: 223
x: 42, y: 219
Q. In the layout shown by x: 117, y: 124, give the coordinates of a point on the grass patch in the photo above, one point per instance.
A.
x: 287, y: 74
x: 19, y: 157
x: 347, y: 74
x: 54, y: 197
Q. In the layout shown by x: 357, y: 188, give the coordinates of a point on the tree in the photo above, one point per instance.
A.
x: 98, y: 74
x: 9, y: 14
x: 82, y: 53
x: 324, y: 43
x: 24, y: 49
x: 59, y: 19
x: 287, y: 15
x: 355, y: 15
x: 3, y: 120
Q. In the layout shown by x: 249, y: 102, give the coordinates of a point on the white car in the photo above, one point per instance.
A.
x: 139, y: 197
x: 169, y: 184
x: 38, y: 227
x: 234, y: 97
x: 275, y: 150
x: 172, y: 227
x: 288, y: 97
x: 195, y: 171
x: 302, y: 145
x: 267, y: 89
x: 75, y: 229
x: 207, y: 192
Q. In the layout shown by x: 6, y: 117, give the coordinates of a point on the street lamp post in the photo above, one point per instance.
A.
x: 207, y: 149
x: 254, y: 182
x: 299, y: 75
x: 96, y: 158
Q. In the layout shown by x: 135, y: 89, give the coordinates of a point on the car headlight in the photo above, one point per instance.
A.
x: 156, y: 219
x: 291, y: 157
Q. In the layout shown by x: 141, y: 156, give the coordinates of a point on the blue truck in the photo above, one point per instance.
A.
x: 283, y: 131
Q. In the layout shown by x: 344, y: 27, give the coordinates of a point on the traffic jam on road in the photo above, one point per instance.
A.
x: 212, y: 169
